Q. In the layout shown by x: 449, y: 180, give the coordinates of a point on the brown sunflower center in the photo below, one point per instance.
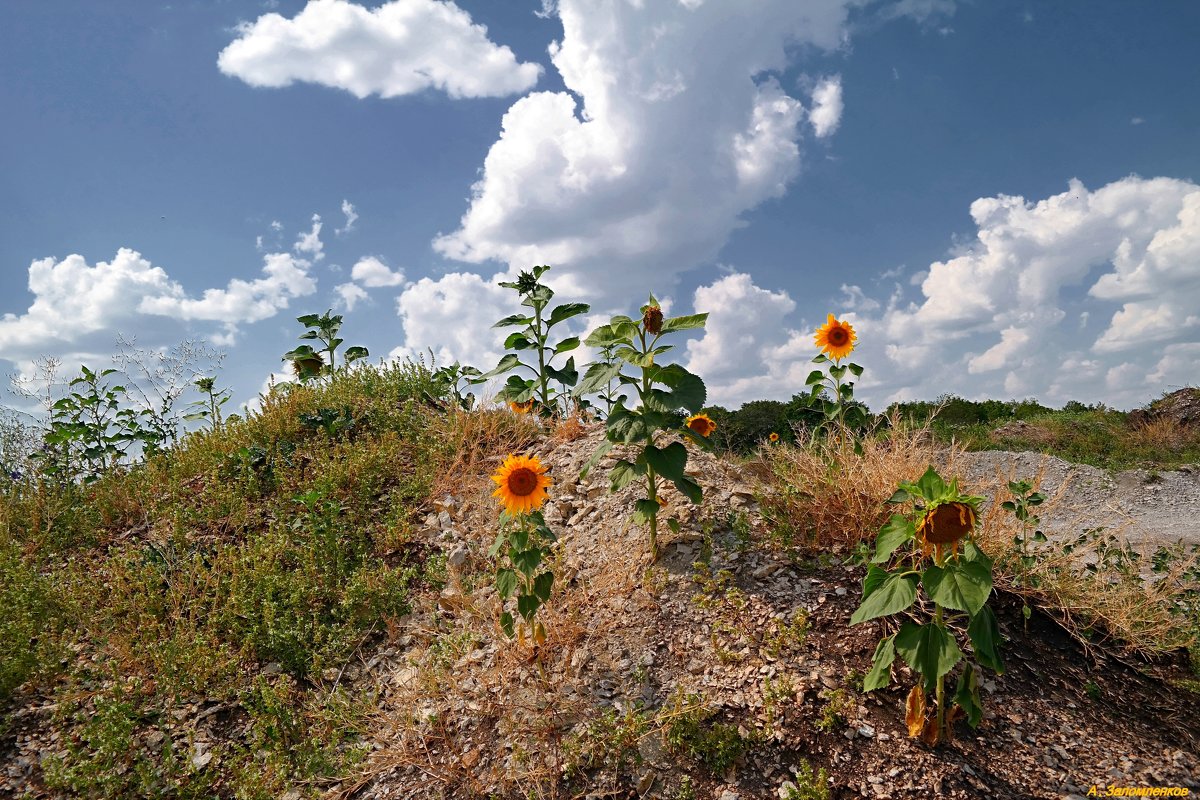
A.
x: 838, y: 336
x: 948, y: 523
x: 522, y: 481
x: 701, y: 426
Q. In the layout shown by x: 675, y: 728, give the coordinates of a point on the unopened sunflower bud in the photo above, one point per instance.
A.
x: 653, y: 320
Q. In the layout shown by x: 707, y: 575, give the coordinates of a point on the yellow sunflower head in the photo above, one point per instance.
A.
x: 774, y: 437
x: 947, y: 523
x: 521, y: 408
x: 836, y: 338
x: 653, y: 320
x: 701, y: 424
x: 521, y: 483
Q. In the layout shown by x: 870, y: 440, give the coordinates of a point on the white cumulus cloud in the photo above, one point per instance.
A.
x: 351, y: 217
x: 284, y: 277
x: 672, y: 129
x: 826, y: 112
x: 310, y: 242
x: 991, y: 318
x: 373, y: 273
x: 401, y: 47
x: 72, y: 299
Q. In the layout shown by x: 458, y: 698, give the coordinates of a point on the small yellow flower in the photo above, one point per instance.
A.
x: 521, y: 484
x: 522, y: 408
x: 947, y: 523
x: 836, y: 338
x: 701, y: 424
x: 774, y: 437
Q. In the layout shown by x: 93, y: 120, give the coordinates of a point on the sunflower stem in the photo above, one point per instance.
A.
x: 542, y: 377
x: 941, y: 683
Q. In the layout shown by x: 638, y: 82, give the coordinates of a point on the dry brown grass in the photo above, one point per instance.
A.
x: 1162, y: 433
x: 568, y: 429
x: 479, y: 440
x: 821, y: 496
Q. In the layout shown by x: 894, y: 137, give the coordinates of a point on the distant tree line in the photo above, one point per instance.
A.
x: 743, y: 430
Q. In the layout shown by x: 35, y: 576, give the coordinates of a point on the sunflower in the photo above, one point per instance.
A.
x: 774, y: 437
x: 653, y: 320
x: 701, y: 424
x: 836, y: 338
x: 521, y: 484
x: 521, y: 408
x: 947, y: 523
x: 308, y: 365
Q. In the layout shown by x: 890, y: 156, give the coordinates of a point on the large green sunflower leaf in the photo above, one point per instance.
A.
x: 543, y: 584
x: 964, y: 586
x: 669, y: 461
x: 894, y: 594
x: 623, y: 473
x: 644, y: 509
x: 688, y: 487
x: 931, y: 485
x: 984, y: 633
x: 566, y: 311
x: 597, y: 378
x: 897, y: 531
x: 626, y: 426
x: 928, y: 649
x: 880, y: 674
x: 967, y: 696
x: 873, y: 580
x: 684, y: 323
x: 506, y: 582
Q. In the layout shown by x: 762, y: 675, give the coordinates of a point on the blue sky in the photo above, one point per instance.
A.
x: 1002, y: 197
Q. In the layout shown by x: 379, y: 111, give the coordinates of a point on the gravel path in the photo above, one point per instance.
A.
x: 1147, y: 508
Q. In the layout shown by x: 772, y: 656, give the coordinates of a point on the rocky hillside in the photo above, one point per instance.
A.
x: 728, y: 670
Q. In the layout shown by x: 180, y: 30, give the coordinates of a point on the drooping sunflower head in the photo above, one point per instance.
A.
x: 652, y: 319
x: 309, y: 365
x: 774, y: 437
x: 701, y: 424
x: 521, y: 408
x: 947, y: 523
x: 836, y: 338
x: 521, y: 483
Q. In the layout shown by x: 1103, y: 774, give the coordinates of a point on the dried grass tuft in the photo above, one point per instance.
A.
x: 822, y: 496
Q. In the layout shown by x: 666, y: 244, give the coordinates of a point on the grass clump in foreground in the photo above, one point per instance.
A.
x: 241, y: 572
x: 822, y: 497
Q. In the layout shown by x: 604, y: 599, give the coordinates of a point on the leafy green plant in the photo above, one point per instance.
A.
x: 91, y: 430
x: 452, y: 382
x: 523, y: 545
x: 663, y: 392
x: 689, y: 731
x: 334, y: 422
x: 209, y: 409
x: 839, y: 705
x: 1025, y: 499
x: 836, y: 340
x: 809, y: 784
x: 922, y: 550
x: 309, y: 363
x: 533, y: 335
x: 608, y: 393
